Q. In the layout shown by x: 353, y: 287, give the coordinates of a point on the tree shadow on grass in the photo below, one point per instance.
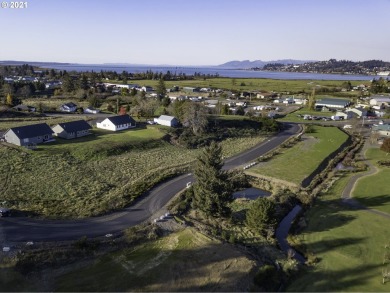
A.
x: 374, y: 201
x: 311, y: 279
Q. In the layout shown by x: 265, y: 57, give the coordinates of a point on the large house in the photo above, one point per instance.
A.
x: 72, y: 129
x: 68, y: 107
x: 29, y: 135
x: 167, y: 120
x: 116, y: 123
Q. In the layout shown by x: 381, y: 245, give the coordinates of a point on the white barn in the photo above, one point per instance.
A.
x: 117, y: 123
x: 167, y: 120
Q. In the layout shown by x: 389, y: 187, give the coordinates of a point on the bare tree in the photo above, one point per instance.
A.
x: 195, y: 117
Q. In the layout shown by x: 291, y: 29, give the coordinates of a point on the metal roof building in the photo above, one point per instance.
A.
x: 333, y: 103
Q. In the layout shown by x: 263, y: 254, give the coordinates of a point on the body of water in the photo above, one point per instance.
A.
x: 223, y: 72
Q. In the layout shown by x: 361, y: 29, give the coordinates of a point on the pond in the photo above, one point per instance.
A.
x: 251, y: 193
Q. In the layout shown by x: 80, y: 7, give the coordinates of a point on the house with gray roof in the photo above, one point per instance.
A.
x: 382, y: 129
x: 73, y: 129
x: 167, y: 120
x: 29, y: 135
x: 116, y: 123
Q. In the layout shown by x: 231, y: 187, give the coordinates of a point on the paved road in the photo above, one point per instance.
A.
x: 28, y: 229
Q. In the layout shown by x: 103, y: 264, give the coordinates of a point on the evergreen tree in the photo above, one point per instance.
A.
x: 161, y: 90
x: 260, y: 215
x: 212, y: 191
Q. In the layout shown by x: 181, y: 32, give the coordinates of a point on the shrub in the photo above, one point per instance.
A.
x: 268, y: 278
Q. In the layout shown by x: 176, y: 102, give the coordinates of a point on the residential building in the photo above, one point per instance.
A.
x: 29, y: 135
x: 167, y: 120
x: 117, y: 123
x: 382, y: 129
x: 68, y: 107
x: 73, y: 129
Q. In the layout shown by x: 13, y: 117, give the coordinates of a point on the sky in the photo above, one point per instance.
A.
x: 194, y: 32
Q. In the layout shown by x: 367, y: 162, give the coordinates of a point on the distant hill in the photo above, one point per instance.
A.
x: 260, y: 63
x: 34, y: 63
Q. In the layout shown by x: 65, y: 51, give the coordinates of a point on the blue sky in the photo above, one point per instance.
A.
x: 197, y: 32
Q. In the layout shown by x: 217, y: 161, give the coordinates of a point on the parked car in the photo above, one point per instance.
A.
x: 4, y: 212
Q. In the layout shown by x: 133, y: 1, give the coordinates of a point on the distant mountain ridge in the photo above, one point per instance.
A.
x: 260, y: 63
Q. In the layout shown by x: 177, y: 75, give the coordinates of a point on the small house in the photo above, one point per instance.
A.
x: 29, y: 135
x: 167, y: 120
x: 68, y: 107
x: 72, y: 129
x: 117, y: 123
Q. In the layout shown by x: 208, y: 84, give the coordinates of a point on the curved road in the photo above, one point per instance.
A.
x: 28, y: 229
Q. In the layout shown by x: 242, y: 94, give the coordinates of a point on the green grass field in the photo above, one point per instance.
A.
x: 293, y: 117
x: 349, y: 244
x: 252, y: 84
x: 182, y: 261
x: 298, y: 162
x: 373, y: 191
x: 96, y: 174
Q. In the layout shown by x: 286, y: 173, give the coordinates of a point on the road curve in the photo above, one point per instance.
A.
x: 21, y: 229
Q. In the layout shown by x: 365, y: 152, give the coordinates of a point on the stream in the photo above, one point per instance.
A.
x: 282, y: 233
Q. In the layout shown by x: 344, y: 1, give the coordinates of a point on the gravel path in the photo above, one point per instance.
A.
x: 346, y: 195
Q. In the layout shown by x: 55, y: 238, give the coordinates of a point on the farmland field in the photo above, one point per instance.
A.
x: 296, y: 163
x: 95, y: 174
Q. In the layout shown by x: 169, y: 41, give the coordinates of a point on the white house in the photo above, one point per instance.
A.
x: 117, y: 123
x: 68, y: 107
x: 146, y: 89
x: 167, y: 120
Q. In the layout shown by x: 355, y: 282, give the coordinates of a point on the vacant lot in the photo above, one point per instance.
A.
x: 90, y: 176
x: 349, y: 244
x: 374, y: 191
x: 296, y: 163
x: 182, y: 261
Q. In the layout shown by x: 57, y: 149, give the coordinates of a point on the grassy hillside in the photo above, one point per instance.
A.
x: 182, y: 261
x: 349, y: 245
x: 95, y: 174
x: 374, y: 190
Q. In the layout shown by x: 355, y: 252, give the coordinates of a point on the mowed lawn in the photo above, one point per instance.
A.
x: 182, y: 261
x: 296, y: 163
x: 374, y: 190
x: 349, y: 243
